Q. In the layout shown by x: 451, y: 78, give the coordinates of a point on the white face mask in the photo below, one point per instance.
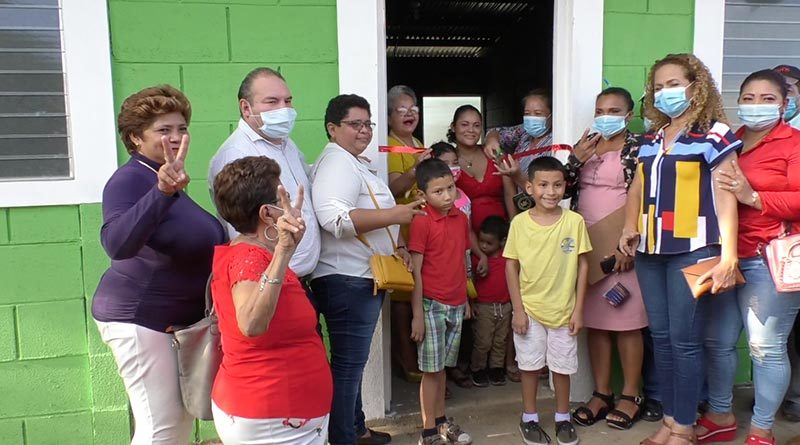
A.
x: 278, y: 123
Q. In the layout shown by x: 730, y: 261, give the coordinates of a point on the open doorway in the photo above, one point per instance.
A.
x: 455, y: 52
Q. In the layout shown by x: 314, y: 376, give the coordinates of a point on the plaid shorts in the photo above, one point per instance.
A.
x: 442, y: 335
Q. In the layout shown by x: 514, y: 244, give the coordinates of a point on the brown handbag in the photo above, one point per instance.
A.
x: 695, y: 271
x: 389, y: 272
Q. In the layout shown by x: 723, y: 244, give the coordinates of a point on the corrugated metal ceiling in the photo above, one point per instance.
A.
x: 450, y: 28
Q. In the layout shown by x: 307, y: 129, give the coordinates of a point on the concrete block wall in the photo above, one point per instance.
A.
x: 639, y: 32
x: 59, y: 381
x: 205, y: 48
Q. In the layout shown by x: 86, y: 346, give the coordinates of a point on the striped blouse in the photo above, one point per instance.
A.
x: 677, y: 213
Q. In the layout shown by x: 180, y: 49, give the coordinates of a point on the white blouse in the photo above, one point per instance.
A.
x: 338, y: 186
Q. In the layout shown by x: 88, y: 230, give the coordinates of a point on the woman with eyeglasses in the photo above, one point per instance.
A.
x: 274, y: 384
x: 676, y: 216
x: 359, y: 218
x: 403, y: 120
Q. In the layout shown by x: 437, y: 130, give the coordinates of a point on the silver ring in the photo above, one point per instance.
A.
x: 735, y: 183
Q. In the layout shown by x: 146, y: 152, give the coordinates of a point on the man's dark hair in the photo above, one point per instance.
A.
x: 495, y: 225
x: 339, y: 106
x: 245, y: 88
x: 545, y: 164
x: 429, y: 170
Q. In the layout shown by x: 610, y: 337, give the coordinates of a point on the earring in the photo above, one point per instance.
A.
x: 270, y: 238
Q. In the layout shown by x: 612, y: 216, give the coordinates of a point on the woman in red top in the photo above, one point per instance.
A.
x: 766, y: 182
x: 274, y: 384
x: 491, y: 193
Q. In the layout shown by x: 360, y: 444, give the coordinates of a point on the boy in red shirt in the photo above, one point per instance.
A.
x: 437, y: 242
x: 491, y: 310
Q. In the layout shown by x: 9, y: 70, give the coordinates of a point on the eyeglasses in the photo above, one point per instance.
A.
x: 404, y: 110
x: 358, y: 125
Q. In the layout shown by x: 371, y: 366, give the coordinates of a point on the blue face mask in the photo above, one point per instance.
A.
x: 791, y: 108
x: 758, y: 117
x: 672, y: 101
x: 535, y: 126
x: 277, y: 124
x: 608, y: 126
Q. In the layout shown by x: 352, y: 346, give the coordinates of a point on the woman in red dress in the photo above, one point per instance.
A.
x: 491, y: 193
x: 274, y: 385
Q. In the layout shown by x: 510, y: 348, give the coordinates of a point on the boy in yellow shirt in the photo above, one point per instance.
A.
x: 547, y: 276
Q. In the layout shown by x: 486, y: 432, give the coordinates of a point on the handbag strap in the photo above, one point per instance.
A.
x: 361, y: 237
x: 209, y: 300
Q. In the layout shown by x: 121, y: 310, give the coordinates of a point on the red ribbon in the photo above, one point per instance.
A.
x: 536, y: 151
x: 401, y: 149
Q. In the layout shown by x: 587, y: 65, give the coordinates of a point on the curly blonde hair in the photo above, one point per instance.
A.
x: 706, y: 103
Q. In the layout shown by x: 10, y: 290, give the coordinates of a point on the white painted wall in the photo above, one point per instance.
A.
x: 709, y: 35
x: 577, y: 79
x: 362, y: 70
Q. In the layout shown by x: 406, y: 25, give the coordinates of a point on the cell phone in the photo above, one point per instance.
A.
x: 607, y: 265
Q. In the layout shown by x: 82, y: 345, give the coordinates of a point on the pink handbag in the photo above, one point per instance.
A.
x: 783, y: 259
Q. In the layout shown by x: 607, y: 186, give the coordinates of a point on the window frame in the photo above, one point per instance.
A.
x: 90, y: 113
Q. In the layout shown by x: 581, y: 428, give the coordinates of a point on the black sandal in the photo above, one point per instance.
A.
x: 652, y: 410
x: 589, y: 418
x: 627, y: 421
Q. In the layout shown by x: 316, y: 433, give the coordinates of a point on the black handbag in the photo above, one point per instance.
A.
x: 199, y: 352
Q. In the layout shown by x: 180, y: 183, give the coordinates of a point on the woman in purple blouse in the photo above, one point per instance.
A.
x: 161, y: 244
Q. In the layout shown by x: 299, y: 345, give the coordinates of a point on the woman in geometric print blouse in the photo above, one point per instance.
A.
x: 676, y: 216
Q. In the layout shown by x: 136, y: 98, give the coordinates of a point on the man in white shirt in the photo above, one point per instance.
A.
x: 267, y: 118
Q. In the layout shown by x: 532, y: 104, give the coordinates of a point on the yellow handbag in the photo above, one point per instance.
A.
x: 389, y: 272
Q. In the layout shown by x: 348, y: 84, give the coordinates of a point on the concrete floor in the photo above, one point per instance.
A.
x: 491, y: 416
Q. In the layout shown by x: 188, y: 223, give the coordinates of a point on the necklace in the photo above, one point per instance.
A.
x: 255, y: 239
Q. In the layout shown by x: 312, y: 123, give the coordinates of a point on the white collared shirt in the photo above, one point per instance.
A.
x: 245, y: 142
x: 338, y: 186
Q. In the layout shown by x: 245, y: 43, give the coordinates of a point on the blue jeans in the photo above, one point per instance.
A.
x: 677, y: 322
x: 649, y: 373
x: 351, y: 312
x: 768, y: 317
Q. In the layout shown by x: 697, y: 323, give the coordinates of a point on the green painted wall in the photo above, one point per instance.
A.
x: 639, y: 32
x: 58, y: 380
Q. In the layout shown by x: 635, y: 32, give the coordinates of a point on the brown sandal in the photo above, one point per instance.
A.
x: 649, y: 441
x: 690, y: 437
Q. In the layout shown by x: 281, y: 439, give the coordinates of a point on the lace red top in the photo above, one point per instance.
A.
x: 487, y: 196
x: 282, y: 373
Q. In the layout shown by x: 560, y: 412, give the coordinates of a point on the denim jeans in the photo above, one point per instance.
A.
x: 649, y: 374
x: 351, y: 312
x: 768, y: 317
x: 677, y: 322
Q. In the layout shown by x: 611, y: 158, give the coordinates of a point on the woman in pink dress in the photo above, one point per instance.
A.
x: 490, y: 192
x: 602, y: 167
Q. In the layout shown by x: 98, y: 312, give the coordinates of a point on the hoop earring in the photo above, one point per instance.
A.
x: 269, y: 238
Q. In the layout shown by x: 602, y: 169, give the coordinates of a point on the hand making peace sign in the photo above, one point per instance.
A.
x: 172, y: 176
x: 291, y: 226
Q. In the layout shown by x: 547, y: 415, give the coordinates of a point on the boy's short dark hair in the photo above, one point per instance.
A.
x: 495, y: 225
x: 545, y: 164
x: 441, y: 148
x: 431, y: 169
